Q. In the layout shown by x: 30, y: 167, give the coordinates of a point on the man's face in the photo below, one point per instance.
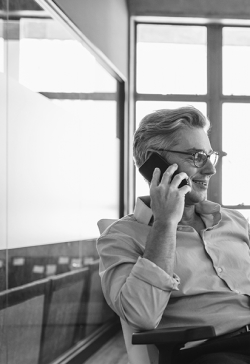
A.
x: 192, y: 140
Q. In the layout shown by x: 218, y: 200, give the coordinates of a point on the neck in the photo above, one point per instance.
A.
x: 189, y: 215
x: 191, y: 218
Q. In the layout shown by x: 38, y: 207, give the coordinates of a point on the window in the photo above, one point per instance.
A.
x: 236, y: 117
x: 55, y: 65
x: 205, y: 66
x: 161, y: 55
x: 61, y: 125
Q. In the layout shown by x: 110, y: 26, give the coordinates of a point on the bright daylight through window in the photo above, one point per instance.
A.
x: 172, y: 64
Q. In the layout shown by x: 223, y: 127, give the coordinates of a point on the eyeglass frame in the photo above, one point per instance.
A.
x: 193, y: 155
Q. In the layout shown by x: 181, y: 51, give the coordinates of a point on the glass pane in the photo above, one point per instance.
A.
x: 3, y: 166
x: 62, y: 158
x: 236, y: 60
x: 145, y: 107
x: 1, y: 46
x: 3, y: 180
x: 69, y: 68
x: 100, y: 154
x: 171, y: 59
x: 235, y: 142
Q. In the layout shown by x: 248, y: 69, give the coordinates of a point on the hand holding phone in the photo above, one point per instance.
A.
x: 157, y: 161
x: 167, y: 205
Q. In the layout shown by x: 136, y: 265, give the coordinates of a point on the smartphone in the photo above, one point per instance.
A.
x: 154, y: 161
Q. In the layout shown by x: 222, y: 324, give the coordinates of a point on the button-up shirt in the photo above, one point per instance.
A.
x: 211, y: 280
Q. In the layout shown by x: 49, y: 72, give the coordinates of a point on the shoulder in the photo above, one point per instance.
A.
x: 116, y: 226
x: 125, y: 233
x: 234, y: 217
x: 233, y: 213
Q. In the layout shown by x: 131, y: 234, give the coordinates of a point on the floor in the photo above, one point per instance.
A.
x: 113, y: 352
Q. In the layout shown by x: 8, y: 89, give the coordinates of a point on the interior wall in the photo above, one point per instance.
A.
x: 105, y: 24
x: 231, y: 9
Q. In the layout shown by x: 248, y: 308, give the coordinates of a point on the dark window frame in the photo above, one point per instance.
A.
x: 214, y: 97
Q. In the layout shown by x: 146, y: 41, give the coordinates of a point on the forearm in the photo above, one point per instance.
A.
x: 141, y: 295
x: 161, y: 246
x: 137, y: 289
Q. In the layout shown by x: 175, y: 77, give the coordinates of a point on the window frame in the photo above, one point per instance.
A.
x: 52, y: 11
x: 214, y: 97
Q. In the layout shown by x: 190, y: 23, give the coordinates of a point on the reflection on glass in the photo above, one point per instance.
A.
x: 63, y: 176
x: 235, y: 142
x: 52, y: 60
x: 171, y: 59
x: 1, y: 46
x: 145, y: 107
x: 3, y: 166
x: 236, y: 60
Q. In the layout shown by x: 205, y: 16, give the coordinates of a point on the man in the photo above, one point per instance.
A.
x: 180, y: 260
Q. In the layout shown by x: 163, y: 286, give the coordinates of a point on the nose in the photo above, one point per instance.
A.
x: 208, y: 168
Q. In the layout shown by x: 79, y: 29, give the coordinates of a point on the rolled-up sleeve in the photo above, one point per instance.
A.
x: 135, y: 288
x: 155, y: 276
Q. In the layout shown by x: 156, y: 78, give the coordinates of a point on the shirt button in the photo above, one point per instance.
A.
x: 236, y: 291
x: 219, y: 269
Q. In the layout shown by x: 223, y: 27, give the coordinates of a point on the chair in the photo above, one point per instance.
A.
x: 21, y: 322
x: 159, y: 345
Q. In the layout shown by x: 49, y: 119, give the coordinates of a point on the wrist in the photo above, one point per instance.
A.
x: 166, y: 226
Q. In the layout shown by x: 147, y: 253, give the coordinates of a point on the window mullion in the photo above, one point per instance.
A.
x: 214, y: 79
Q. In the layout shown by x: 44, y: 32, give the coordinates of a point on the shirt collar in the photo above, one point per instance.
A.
x: 143, y: 212
x: 210, y: 211
x: 207, y: 207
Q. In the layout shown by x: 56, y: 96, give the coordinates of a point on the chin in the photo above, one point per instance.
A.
x: 193, y: 198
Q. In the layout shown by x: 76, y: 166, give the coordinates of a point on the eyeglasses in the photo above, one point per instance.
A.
x: 199, y: 158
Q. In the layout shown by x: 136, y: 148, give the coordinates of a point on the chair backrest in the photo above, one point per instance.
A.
x: 137, y: 354
x: 103, y: 224
x: 21, y: 315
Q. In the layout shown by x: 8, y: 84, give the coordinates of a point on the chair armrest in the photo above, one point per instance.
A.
x: 173, y: 335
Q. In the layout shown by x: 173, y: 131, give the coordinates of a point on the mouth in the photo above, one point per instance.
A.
x: 201, y: 183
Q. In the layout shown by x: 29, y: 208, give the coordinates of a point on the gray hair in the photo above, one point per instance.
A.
x: 160, y: 129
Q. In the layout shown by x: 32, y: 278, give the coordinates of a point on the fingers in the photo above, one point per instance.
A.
x: 168, y: 178
x: 156, y: 177
x: 185, y: 189
x: 168, y: 174
x: 178, y: 179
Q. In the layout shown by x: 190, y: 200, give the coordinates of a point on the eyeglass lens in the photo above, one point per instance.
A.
x: 200, y: 158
